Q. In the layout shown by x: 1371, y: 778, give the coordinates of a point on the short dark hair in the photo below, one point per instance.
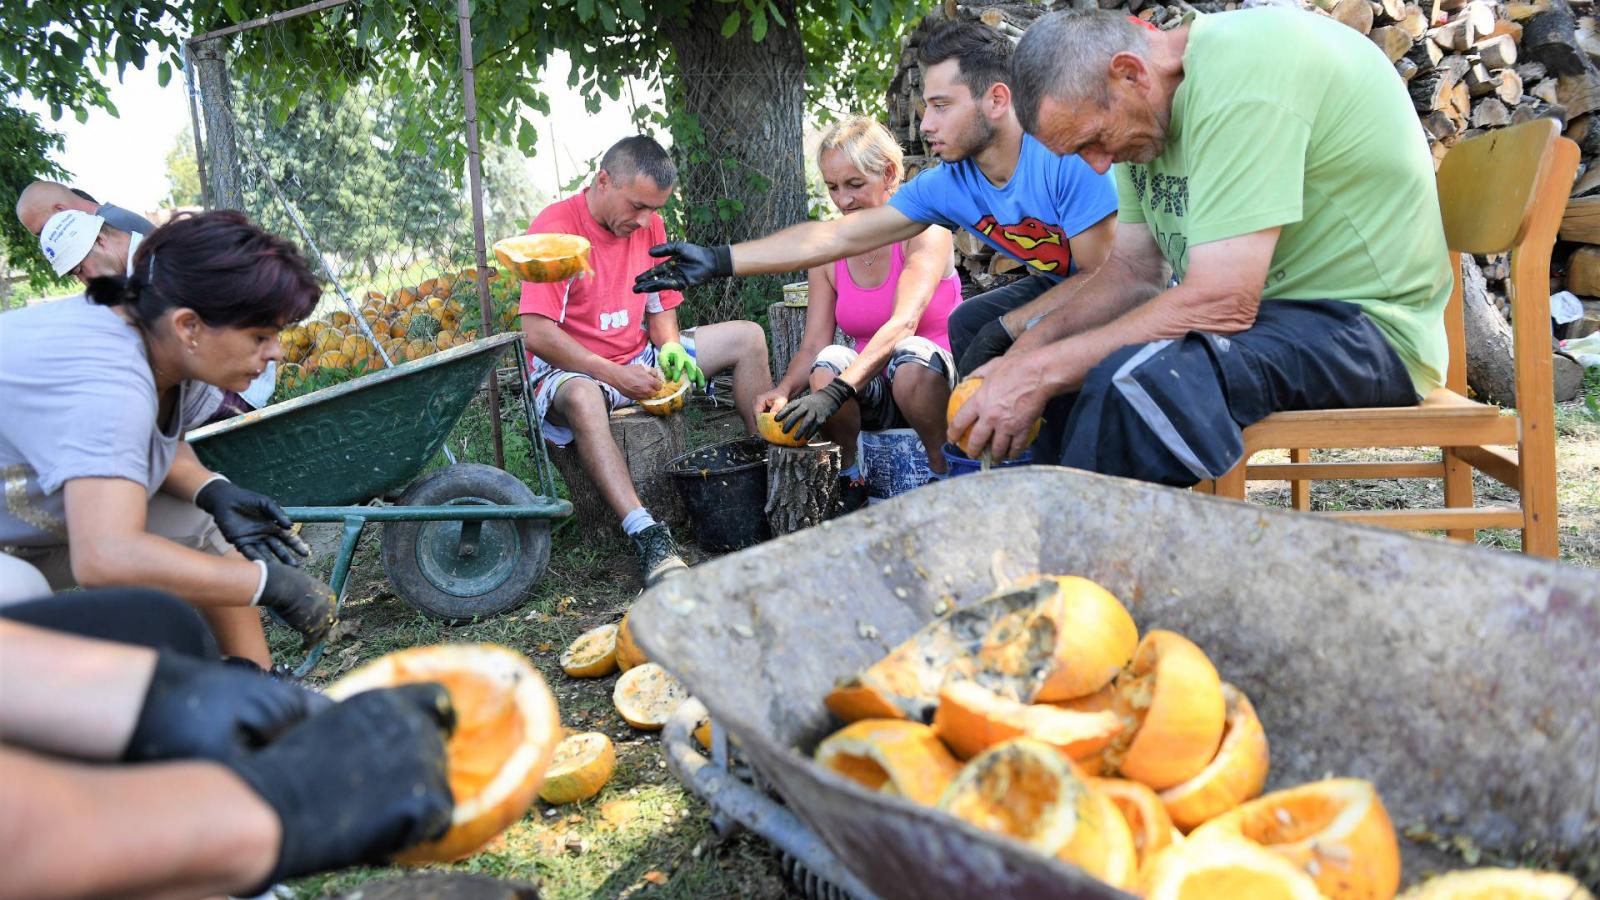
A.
x: 983, y: 54
x: 84, y: 194
x: 226, y: 268
x: 640, y: 155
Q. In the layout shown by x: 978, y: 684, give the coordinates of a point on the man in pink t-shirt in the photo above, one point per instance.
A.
x: 594, y: 345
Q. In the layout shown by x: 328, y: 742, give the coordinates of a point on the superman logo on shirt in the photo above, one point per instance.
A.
x: 1043, y: 247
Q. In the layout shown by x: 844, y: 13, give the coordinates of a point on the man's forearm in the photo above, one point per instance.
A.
x: 1085, y: 301
x: 547, y: 341
x: 82, y: 698
x: 167, y: 830
x: 814, y: 243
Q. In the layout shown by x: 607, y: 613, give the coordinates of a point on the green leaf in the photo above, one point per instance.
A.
x: 758, y: 26
x: 585, y: 10
x: 163, y: 73
x: 731, y: 24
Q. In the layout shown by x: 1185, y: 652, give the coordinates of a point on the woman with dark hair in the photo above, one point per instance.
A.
x: 97, y: 391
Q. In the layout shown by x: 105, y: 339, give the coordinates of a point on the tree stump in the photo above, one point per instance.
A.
x: 647, y: 443
x: 802, y: 485
x: 788, y: 327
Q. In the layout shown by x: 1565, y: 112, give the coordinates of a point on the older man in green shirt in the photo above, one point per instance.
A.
x: 1291, y: 237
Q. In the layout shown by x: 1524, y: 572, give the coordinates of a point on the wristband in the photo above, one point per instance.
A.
x: 261, y: 586
x: 202, y: 487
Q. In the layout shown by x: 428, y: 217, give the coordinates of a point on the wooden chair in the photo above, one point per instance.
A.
x: 1502, y: 191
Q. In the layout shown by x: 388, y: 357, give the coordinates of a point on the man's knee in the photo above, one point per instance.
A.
x: 966, y: 319
x: 582, y: 405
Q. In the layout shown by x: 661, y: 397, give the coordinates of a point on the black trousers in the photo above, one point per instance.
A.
x: 975, y: 312
x: 126, y: 615
x: 1173, y: 411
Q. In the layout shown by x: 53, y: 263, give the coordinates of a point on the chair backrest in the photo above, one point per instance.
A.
x: 1506, y: 191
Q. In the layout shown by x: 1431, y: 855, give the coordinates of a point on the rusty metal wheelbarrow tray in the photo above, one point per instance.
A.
x: 1461, y: 680
x: 346, y: 445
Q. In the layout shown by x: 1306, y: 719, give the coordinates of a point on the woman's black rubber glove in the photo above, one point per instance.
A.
x: 803, y: 418
x: 253, y: 523
x: 358, y: 783
x: 198, y: 709
x: 304, y: 603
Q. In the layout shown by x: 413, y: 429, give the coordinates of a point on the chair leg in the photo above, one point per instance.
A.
x: 1299, y: 489
x: 1458, y: 491
x: 1232, y: 484
x: 1205, y: 487
x: 1539, y: 512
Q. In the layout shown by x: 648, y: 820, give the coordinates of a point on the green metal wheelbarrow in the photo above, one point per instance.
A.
x: 463, y: 541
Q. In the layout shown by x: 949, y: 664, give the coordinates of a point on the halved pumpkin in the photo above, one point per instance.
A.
x: 582, y: 765
x: 593, y: 654
x: 628, y: 652
x: 1499, y: 884
x: 671, y: 397
x: 1171, y: 701
x: 1237, y: 773
x: 1224, y: 868
x: 1103, y: 845
x: 507, y: 728
x: 1096, y: 637
x: 647, y: 695
x: 1026, y: 790
x: 544, y: 257
x: 971, y: 719
x: 1140, y: 807
x: 1336, y: 831
x: 891, y: 756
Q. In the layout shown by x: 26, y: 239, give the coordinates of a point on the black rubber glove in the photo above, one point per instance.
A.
x: 358, y: 783
x: 252, y: 522
x: 208, y: 710
x: 686, y: 265
x: 304, y: 603
x: 803, y: 418
x: 991, y: 342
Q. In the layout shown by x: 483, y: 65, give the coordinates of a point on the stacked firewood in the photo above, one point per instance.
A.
x: 1470, y: 66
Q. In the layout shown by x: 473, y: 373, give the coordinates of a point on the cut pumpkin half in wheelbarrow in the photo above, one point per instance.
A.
x: 647, y: 695
x: 1228, y: 868
x: 1170, y: 698
x: 507, y: 728
x: 1336, y: 831
x: 544, y: 257
x: 582, y: 765
x: 1237, y: 773
x: 892, y: 756
x: 1050, y: 635
x: 971, y: 719
x: 1499, y: 884
x: 1147, y: 819
x: 593, y: 654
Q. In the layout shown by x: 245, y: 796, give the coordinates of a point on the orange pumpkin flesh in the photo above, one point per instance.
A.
x: 543, y: 257
x: 646, y: 696
x: 1025, y: 790
x: 1236, y: 774
x: 1095, y: 637
x: 628, y: 652
x: 958, y: 398
x: 1224, y: 868
x: 669, y: 398
x: 971, y: 719
x: 1499, y: 884
x: 506, y: 731
x: 582, y: 765
x: 593, y: 654
x: 1171, y: 697
x: 1142, y: 810
x: 1336, y: 831
x: 892, y: 756
x: 1103, y: 845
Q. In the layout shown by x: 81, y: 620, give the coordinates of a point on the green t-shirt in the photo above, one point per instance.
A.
x: 1285, y: 118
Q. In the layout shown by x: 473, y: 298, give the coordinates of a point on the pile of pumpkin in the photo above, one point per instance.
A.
x: 1055, y: 724
x: 410, y: 323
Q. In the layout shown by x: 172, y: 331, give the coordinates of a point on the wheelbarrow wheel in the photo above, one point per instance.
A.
x: 432, y: 569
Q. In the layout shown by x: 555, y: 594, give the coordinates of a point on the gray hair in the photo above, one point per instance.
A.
x: 1066, y: 56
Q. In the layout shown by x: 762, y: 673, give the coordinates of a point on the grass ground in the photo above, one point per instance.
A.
x: 643, y: 834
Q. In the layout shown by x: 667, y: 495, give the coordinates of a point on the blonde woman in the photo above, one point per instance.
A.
x: 893, y: 301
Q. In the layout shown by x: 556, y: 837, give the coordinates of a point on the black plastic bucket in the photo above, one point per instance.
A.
x: 724, y: 489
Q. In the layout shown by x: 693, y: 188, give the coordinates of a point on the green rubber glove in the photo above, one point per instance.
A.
x: 676, y: 363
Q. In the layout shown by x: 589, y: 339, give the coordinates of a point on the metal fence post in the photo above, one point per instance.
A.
x: 222, y: 166
x: 475, y: 180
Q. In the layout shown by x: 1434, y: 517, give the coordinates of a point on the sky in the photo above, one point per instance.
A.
x: 122, y: 159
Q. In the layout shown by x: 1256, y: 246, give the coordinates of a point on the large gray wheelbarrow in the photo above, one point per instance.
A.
x: 1464, y: 682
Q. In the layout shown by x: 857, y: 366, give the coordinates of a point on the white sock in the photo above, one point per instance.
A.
x: 637, y: 521
x: 938, y: 476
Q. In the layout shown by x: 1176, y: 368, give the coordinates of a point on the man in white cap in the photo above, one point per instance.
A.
x: 85, y: 246
x: 43, y: 199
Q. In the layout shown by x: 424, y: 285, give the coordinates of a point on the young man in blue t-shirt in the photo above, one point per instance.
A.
x: 1052, y: 213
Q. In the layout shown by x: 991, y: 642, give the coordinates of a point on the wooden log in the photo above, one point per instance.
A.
x: 1585, y: 132
x: 1001, y: 264
x: 1583, y: 271
x: 1588, y: 38
x: 1579, y: 93
x: 1426, y: 54
x: 1391, y: 10
x: 1490, y: 113
x: 1440, y: 126
x: 1544, y: 90
x: 1548, y: 37
x: 1519, y: 12
x: 802, y: 486
x: 1392, y: 41
x: 1465, y: 27
x: 1530, y: 71
x: 1497, y: 52
x: 1414, y: 22
x: 1406, y: 69
x: 1511, y: 29
x: 969, y: 244
x: 1377, y: 11
x: 1355, y: 13
x: 1581, y: 222
x: 1509, y: 89
x: 1479, y: 79
x: 787, y: 326
x: 1435, y: 88
x: 647, y: 443
x: 1534, y: 108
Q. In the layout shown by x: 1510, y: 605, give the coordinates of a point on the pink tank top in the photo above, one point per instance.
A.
x: 860, y: 312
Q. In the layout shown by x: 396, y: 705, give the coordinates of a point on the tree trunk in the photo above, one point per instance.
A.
x: 802, y: 484
x: 787, y: 325
x: 737, y: 124
x: 222, y: 154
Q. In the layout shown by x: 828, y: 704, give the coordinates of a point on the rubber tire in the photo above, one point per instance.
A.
x: 438, y: 488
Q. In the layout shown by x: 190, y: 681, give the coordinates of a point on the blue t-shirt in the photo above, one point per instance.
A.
x: 1049, y: 200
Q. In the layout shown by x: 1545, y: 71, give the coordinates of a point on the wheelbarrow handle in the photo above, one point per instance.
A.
x: 731, y: 797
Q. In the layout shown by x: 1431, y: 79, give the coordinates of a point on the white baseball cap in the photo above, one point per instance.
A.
x: 67, y: 238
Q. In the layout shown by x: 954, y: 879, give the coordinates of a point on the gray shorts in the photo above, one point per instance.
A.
x: 548, y: 379
x: 876, y: 397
